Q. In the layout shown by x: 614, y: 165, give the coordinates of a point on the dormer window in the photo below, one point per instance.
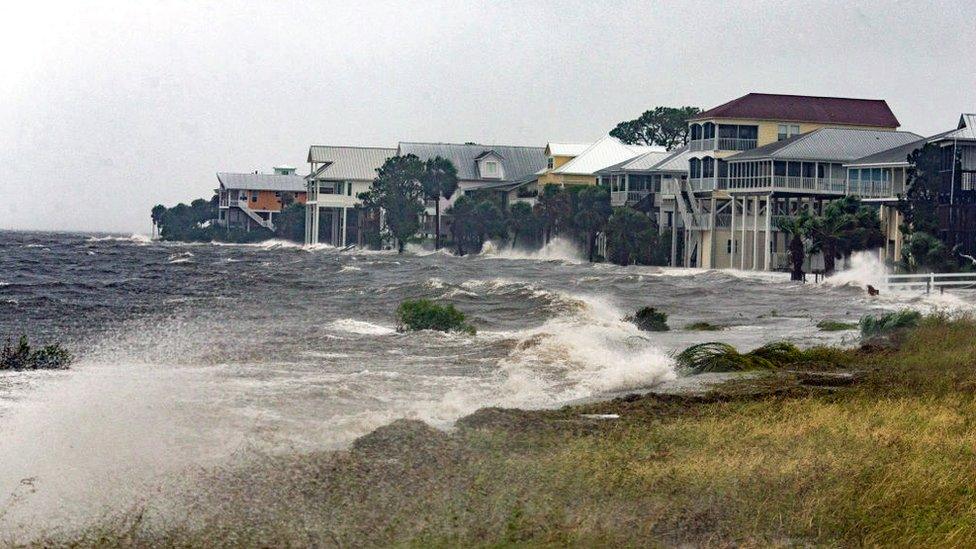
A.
x: 490, y: 166
x: 550, y: 164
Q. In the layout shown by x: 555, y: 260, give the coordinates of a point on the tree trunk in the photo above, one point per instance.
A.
x: 796, y: 256
x: 437, y: 223
x: 830, y: 259
x: 592, y: 244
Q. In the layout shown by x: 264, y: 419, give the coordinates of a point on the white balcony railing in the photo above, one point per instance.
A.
x: 874, y: 189
x: 735, y: 144
x: 787, y: 182
x: 702, y: 144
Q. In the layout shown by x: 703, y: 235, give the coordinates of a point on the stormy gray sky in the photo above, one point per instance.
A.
x: 109, y: 108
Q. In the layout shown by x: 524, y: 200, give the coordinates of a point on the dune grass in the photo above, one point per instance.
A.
x: 836, y: 326
x: 703, y: 326
x: 888, y: 460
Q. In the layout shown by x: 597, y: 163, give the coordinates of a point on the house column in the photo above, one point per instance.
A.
x: 742, y: 253
x: 674, y: 239
x: 345, y: 212
x: 732, y: 235
x: 711, y: 225
x: 769, y: 232
x: 755, y: 233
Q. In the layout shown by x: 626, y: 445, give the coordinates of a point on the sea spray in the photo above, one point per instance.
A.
x: 866, y: 268
x: 558, y: 249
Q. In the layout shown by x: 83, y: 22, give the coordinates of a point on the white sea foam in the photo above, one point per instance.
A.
x: 349, y: 269
x: 362, y: 327
x: 866, y: 268
x: 558, y: 249
x: 133, y: 238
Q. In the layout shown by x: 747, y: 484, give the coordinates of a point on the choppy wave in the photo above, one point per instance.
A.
x: 866, y: 268
x: 558, y: 249
x: 361, y: 327
x: 133, y: 238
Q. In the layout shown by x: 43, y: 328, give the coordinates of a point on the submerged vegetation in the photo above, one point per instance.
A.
x: 722, y: 357
x: 649, y: 319
x: 836, y: 326
x: 424, y: 314
x: 21, y: 356
x: 702, y: 326
x: 772, y: 460
x: 888, y: 323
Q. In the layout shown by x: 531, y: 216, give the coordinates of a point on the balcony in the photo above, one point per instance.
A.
x: 622, y: 198
x: 819, y: 185
x: 874, y: 189
x: 702, y: 144
x: 735, y: 144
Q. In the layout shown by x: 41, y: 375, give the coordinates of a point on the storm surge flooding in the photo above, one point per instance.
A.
x: 193, y: 356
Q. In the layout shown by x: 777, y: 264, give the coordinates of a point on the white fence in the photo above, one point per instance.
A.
x: 930, y: 281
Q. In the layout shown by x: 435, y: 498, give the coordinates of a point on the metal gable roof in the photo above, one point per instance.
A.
x: 517, y: 162
x: 641, y: 163
x: 805, y: 108
x: 677, y: 161
x: 965, y: 130
x: 342, y: 163
x: 605, y: 152
x: 261, y: 182
x: 830, y: 144
x: 566, y: 149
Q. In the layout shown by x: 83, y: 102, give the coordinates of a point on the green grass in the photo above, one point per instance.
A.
x: 423, y: 314
x: 769, y: 461
x: 703, y: 326
x: 836, y: 326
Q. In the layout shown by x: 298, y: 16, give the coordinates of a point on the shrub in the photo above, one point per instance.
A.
x: 20, y: 356
x: 887, y: 323
x: 722, y: 357
x: 649, y: 319
x: 704, y: 327
x: 424, y: 314
x: 835, y: 326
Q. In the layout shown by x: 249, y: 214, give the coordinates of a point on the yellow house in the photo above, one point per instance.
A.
x: 577, y: 164
x: 721, y: 201
x: 557, y: 155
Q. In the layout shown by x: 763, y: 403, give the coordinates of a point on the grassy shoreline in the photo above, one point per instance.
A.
x: 885, y: 456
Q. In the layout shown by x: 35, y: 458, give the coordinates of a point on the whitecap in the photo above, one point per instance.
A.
x: 362, y: 327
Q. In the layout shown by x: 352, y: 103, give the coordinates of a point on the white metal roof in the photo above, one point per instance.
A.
x: 966, y: 128
x: 261, y: 181
x: 605, y: 152
x: 343, y: 163
x: 830, y: 144
x: 566, y: 148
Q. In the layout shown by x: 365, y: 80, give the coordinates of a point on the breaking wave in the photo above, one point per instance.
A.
x: 360, y: 327
x: 558, y: 249
x: 866, y: 268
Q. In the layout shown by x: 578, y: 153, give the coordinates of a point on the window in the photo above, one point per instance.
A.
x: 348, y: 189
x: 728, y: 247
x: 254, y: 196
x: 278, y: 195
x: 491, y: 168
x: 786, y: 131
x: 550, y: 163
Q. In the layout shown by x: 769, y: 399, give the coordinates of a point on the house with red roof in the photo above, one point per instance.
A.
x: 764, y: 156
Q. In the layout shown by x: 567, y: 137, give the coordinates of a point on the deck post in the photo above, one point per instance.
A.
x: 732, y: 239
x: 755, y: 233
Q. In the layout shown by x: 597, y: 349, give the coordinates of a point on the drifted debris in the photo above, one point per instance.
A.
x: 826, y: 379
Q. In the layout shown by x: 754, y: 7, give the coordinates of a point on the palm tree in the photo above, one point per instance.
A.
x: 439, y: 180
x: 555, y: 207
x: 795, y: 228
x: 829, y: 233
x: 594, y: 211
x: 519, y: 219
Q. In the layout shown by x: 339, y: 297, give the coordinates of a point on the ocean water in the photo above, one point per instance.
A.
x: 190, y: 354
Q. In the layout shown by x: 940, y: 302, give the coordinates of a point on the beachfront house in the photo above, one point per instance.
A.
x: 337, y: 175
x: 506, y: 169
x: 764, y: 155
x: 957, y: 191
x: 583, y: 168
x: 251, y: 200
